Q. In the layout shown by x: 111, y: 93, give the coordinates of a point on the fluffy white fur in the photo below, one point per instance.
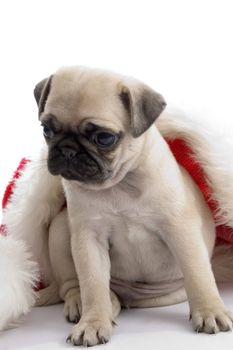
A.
x: 18, y: 275
x: 38, y: 197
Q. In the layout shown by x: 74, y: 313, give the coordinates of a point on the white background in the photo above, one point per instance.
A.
x: 181, y: 48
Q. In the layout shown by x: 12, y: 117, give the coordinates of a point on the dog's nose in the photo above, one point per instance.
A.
x: 68, y: 152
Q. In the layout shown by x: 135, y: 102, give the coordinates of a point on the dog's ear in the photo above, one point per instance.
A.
x: 143, y: 105
x: 41, y: 93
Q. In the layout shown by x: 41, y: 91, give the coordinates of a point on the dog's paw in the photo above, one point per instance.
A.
x: 91, y: 332
x: 72, y: 306
x: 212, y: 320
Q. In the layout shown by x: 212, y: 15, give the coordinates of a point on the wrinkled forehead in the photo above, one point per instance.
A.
x: 76, y: 95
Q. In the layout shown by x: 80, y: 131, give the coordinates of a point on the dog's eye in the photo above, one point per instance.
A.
x: 104, y: 139
x: 48, y: 133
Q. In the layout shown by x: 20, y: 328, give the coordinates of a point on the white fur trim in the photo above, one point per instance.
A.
x: 18, y: 275
x: 37, y: 197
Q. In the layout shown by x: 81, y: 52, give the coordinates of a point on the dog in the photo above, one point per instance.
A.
x: 127, y: 225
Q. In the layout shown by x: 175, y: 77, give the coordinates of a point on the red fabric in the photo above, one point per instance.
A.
x: 9, y: 189
x: 186, y: 158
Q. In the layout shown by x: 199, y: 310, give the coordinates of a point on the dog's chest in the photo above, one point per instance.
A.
x: 137, y: 250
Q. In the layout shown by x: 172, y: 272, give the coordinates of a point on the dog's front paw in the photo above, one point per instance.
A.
x: 212, y: 320
x: 91, y: 332
x: 72, y: 305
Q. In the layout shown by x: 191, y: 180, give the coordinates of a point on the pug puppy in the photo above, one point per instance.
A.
x: 136, y: 219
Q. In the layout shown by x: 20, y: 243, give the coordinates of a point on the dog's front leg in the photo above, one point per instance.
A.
x: 92, y: 263
x: 186, y: 240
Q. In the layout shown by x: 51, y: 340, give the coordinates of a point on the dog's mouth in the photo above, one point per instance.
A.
x: 69, y: 175
x: 73, y: 174
x: 82, y: 168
